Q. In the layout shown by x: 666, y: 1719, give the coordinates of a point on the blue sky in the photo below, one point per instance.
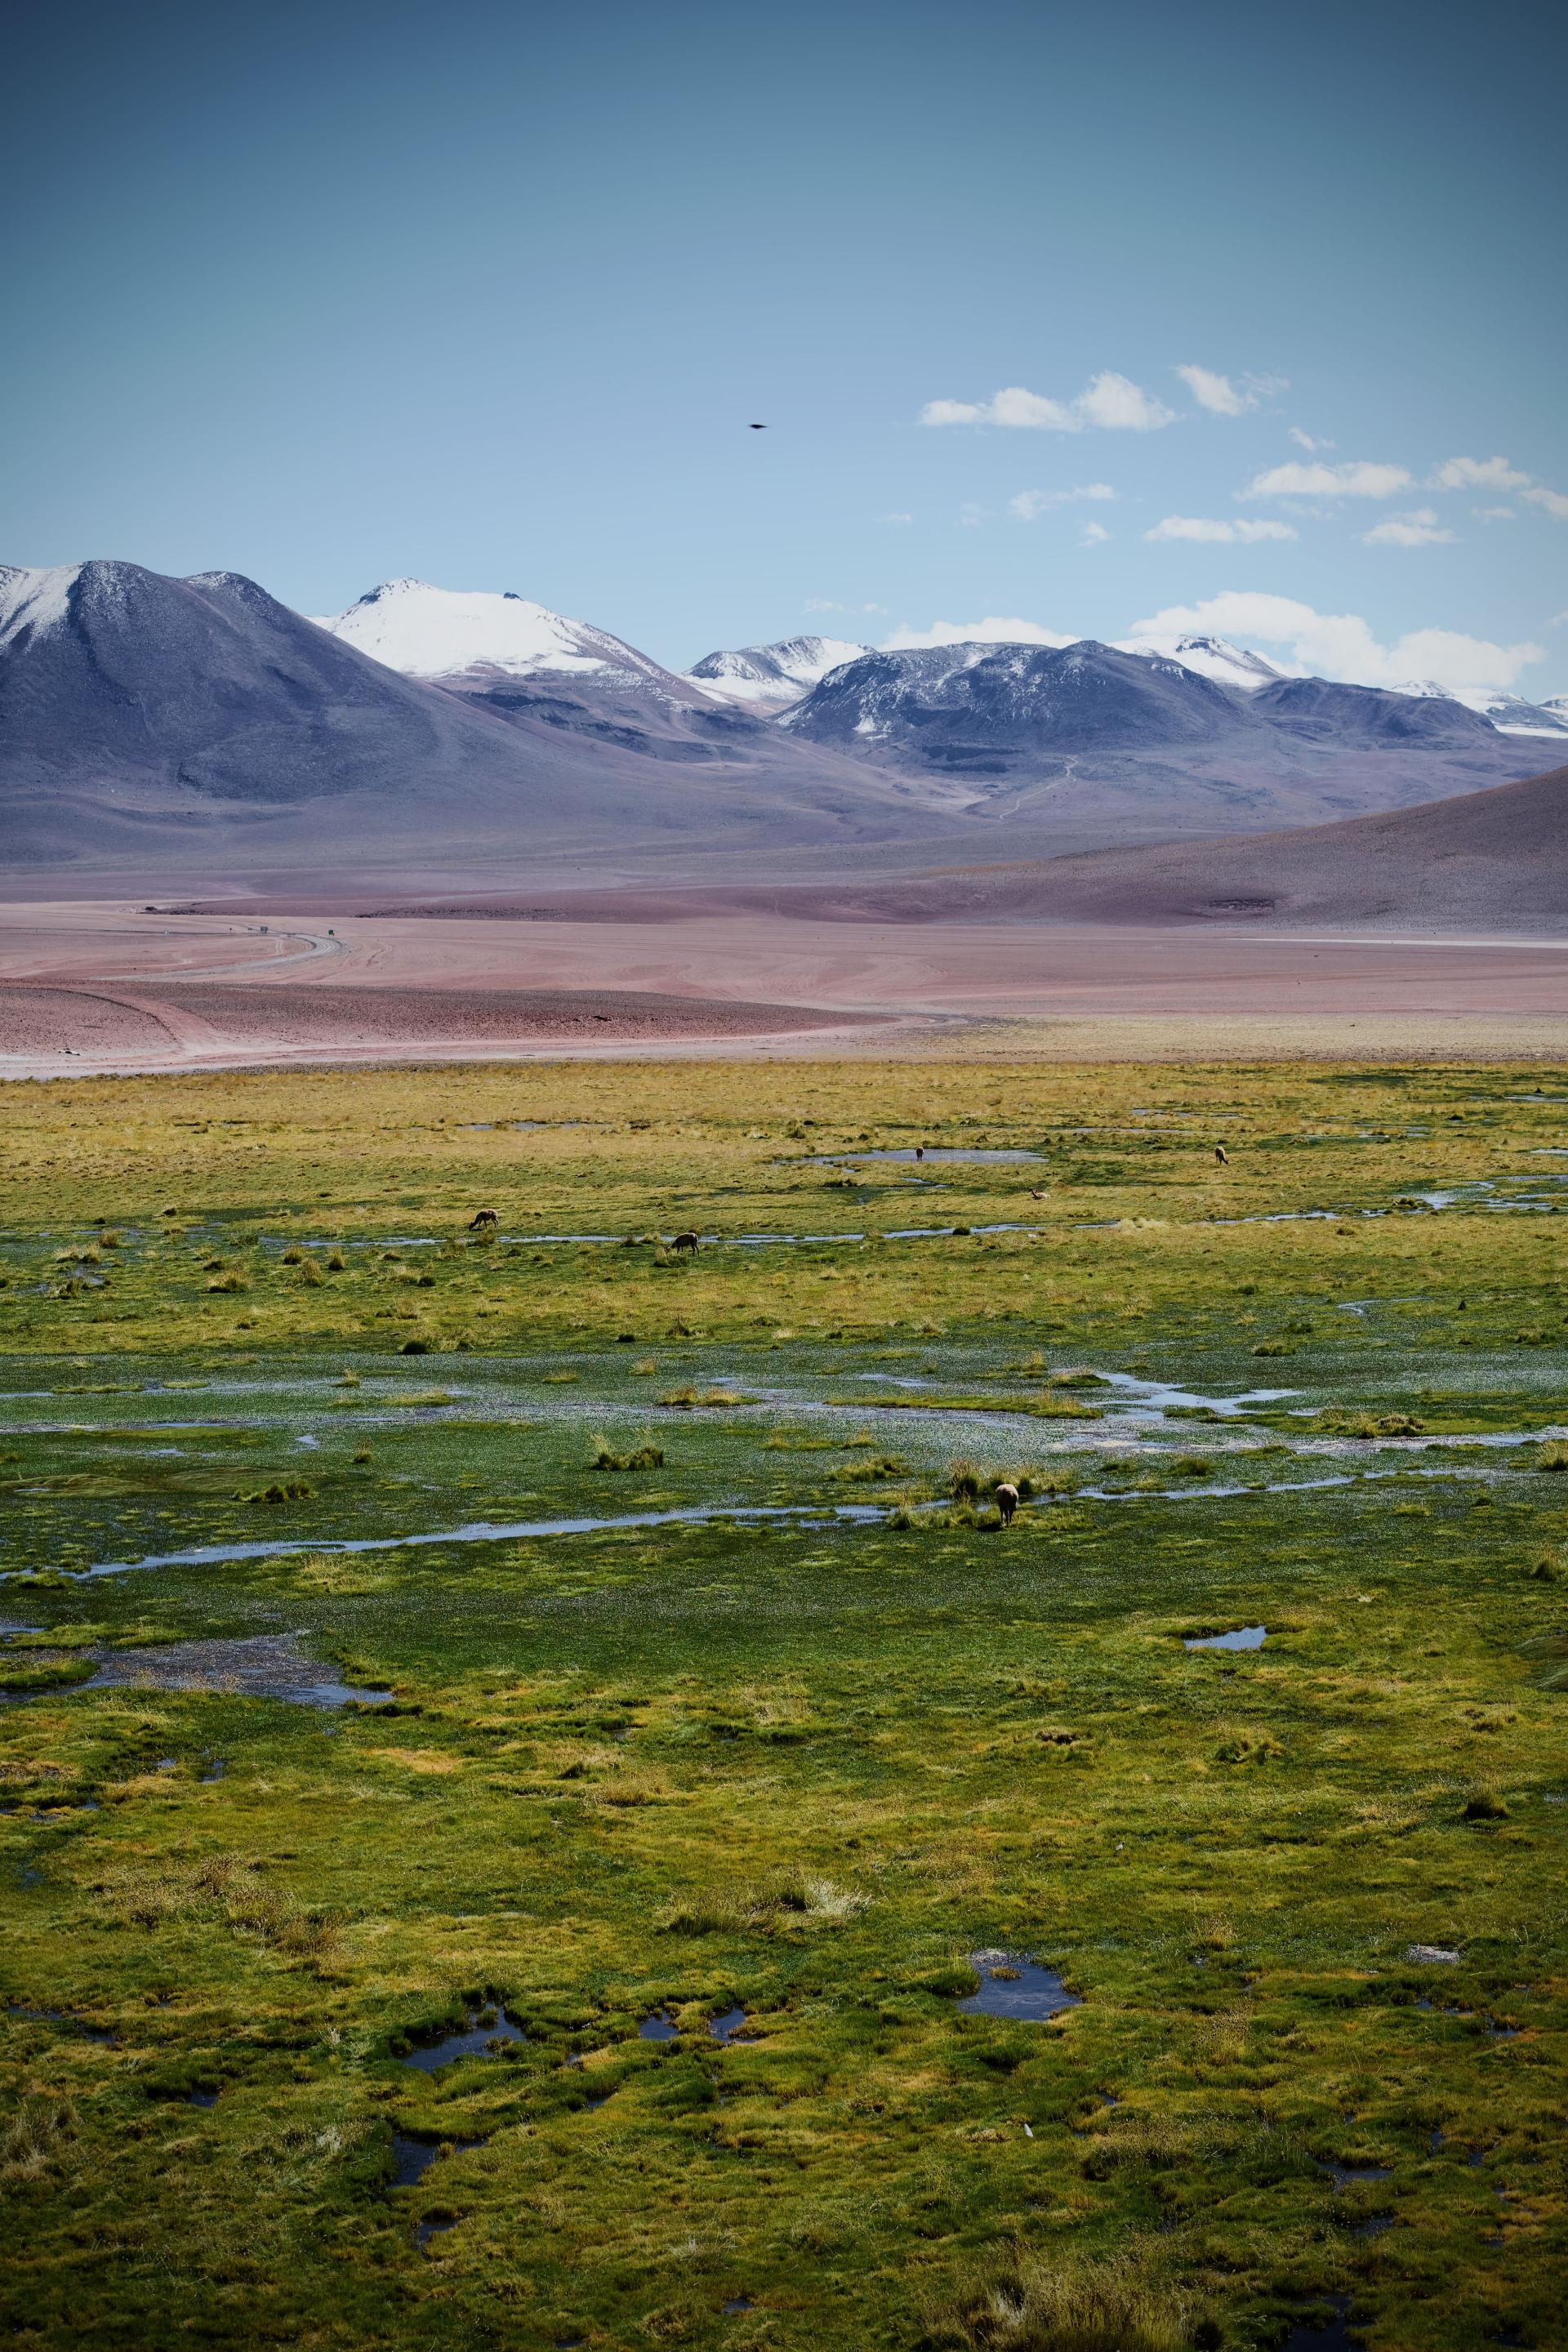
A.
x: 489, y: 294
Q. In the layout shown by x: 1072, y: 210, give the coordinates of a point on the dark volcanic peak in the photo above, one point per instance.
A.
x: 208, y: 684
x: 973, y: 705
x: 1324, y: 712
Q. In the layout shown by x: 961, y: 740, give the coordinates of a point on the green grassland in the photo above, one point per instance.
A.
x: 697, y: 1673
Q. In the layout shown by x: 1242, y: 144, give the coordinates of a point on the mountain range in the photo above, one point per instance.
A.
x: 164, y: 728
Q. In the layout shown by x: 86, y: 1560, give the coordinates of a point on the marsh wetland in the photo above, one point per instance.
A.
x: 542, y: 1808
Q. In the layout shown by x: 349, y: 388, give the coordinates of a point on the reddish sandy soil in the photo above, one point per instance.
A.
x: 103, y: 987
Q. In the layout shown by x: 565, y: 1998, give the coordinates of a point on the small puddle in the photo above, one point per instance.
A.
x: 480, y: 2036
x: 1345, y: 2176
x: 268, y: 1666
x: 1245, y: 1637
x: 659, y: 2027
x: 412, y: 2153
x: 1334, y: 2335
x: 60, y: 2016
x: 727, y: 2028
x: 1017, y: 1987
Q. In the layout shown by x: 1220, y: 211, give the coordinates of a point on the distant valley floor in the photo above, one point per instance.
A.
x: 96, y: 987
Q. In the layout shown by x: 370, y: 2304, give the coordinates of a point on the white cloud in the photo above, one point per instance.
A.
x: 1495, y: 514
x: 974, y: 632
x: 830, y: 605
x: 1216, y: 393
x: 1478, y: 473
x: 1205, y: 527
x: 1305, y: 440
x: 1496, y: 473
x: 895, y: 517
x: 1224, y: 397
x: 1108, y: 400
x: 1094, y: 535
x: 1112, y: 401
x: 1355, y: 479
x: 1029, y: 505
x: 1342, y: 645
x: 1420, y: 528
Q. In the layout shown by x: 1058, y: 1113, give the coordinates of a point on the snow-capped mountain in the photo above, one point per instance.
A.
x: 448, y: 632
x: 768, y: 678
x: 1214, y: 657
x: 1511, y: 714
x: 978, y: 707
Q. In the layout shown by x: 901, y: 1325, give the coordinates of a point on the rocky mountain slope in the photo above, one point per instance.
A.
x: 1488, y: 862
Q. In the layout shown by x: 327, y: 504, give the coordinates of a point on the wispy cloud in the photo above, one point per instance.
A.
x: 1495, y: 514
x: 1029, y: 505
x: 1094, y: 535
x: 1342, y: 645
x: 1245, y: 530
x: 895, y: 517
x: 972, y: 633
x: 1108, y: 402
x: 1305, y: 440
x: 1496, y: 473
x: 1477, y: 474
x: 1420, y: 528
x: 1356, y: 478
x: 1223, y: 395
x: 831, y: 605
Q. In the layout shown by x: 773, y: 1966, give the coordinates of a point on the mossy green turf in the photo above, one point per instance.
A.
x: 807, y: 1764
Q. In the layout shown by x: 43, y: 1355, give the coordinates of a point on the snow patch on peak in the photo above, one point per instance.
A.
x: 1511, y: 714
x: 428, y: 632
x: 1211, y: 657
x: 33, y: 600
x: 770, y: 678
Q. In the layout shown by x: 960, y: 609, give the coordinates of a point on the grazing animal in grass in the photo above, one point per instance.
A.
x: 486, y: 1218
x: 685, y: 1241
x: 1037, y: 1196
x: 1222, y: 1155
x: 920, y: 1151
x: 1006, y: 1501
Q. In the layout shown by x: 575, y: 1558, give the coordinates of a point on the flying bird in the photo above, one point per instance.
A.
x: 759, y: 428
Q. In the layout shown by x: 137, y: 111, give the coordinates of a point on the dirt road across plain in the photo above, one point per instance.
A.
x: 90, y: 986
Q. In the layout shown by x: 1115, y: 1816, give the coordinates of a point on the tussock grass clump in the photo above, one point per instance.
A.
x: 1032, y: 2304
x: 777, y: 1906
x: 35, y: 2139
x: 641, y: 1457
